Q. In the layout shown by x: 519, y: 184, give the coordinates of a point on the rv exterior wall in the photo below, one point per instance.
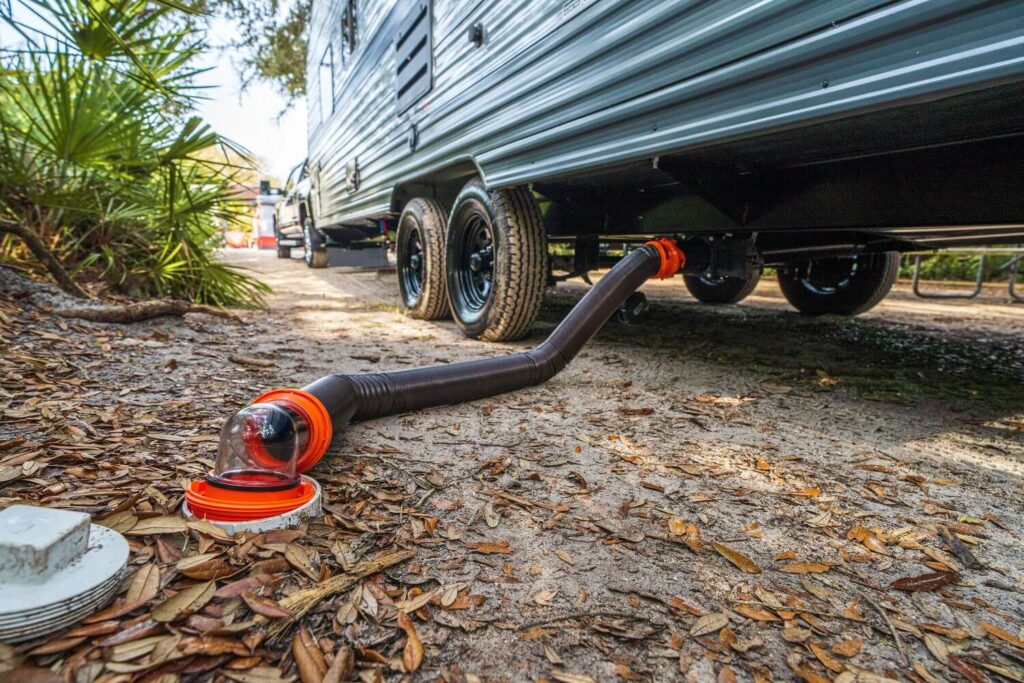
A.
x: 560, y: 87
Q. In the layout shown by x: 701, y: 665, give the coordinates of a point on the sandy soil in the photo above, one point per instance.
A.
x: 715, y: 493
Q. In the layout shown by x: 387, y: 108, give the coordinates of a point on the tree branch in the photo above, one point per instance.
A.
x: 46, y: 257
x: 142, y: 310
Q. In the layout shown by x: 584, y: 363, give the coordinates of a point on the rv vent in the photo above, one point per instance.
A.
x: 413, y: 57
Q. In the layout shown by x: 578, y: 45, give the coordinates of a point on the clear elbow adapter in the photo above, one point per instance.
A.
x: 265, y: 447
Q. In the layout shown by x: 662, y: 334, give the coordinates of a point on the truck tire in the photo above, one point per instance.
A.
x: 420, y: 259
x: 839, y: 286
x: 313, y: 244
x: 709, y: 289
x: 496, y: 262
x: 284, y: 252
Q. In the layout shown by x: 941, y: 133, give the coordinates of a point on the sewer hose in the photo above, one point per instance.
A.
x: 265, y: 447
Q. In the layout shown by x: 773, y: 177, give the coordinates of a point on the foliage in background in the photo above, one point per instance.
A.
x: 102, y: 158
x: 956, y: 267
x: 271, y: 41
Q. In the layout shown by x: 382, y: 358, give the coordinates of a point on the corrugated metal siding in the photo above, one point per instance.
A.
x: 556, y: 90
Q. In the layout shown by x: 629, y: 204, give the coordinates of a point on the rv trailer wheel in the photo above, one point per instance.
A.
x: 839, y: 286
x: 284, y: 252
x: 496, y: 261
x: 313, y: 244
x: 710, y: 289
x: 420, y: 256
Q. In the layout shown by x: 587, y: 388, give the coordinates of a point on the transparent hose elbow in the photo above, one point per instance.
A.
x: 260, y: 448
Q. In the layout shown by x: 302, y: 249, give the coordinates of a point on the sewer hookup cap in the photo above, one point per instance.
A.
x: 254, y: 510
x: 55, y: 568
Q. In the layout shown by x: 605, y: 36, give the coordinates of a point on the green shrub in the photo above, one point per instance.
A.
x: 955, y: 267
x: 102, y: 156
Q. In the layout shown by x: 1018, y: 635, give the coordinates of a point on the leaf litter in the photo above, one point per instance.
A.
x: 610, y: 540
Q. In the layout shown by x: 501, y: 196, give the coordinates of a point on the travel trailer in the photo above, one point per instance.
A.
x: 505, y: 146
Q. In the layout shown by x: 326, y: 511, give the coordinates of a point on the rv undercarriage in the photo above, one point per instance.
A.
x: 832, y: 230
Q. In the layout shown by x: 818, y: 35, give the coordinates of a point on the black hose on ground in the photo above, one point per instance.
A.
x: 363, y: 397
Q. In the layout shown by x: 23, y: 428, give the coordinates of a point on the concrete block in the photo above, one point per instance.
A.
x: 37, y: 542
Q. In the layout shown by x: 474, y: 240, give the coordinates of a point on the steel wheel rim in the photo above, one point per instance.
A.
x: 411, y: 265
x: 827, y: 277
x: 473, y: 264
x: 714, y: 280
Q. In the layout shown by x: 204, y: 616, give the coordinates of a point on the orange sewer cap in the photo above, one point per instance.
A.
x: 232, y: 505
x: 672, y: 257
x: 313, y: 411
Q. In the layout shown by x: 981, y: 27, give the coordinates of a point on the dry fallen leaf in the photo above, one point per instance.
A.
x: 825, y: 658
x: 414, y: 603
x: 308, y: 657
x: 925, y: 582
x: 342, y: 666
x: 209, y: 529
x: 709, y: 623
x: 848, y: 648
x: 298, y: 558
x: 795, y: 634
x: 206, y: 566
x: 120, y: 521
x: 755, y: 613
x: 412, y: 653
x: 743, y: 562
x: 165, y: 524
x: 186, y: 601
x: 867, y: 538
x: 683, y: 606
x: 937, y: 647
x: 145, y: 584
x: 627, y: 674
x: 264, y: 606
x: 805, y: 568
x: 544, y: 598
x: 1001, y: 634
x: 489, y: 548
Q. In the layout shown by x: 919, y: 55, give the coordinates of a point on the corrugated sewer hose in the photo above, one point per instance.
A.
x: 265, y: 447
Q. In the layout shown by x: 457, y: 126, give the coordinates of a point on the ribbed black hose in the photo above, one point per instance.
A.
x: 362, y: 397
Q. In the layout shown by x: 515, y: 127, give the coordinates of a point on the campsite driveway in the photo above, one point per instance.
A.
x: 723, y: 493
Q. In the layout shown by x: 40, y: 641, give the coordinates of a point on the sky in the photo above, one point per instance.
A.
x: 250, y: 119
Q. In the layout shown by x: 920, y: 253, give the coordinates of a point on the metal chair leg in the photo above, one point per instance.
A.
x: 978, y: 282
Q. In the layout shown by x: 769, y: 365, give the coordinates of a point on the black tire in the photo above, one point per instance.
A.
x: 284, y: 252
x: 313, y: 245
x: 634, y: 309
x: 419, y: 253
x: 721, y: 290
x: 839, y: 286
x: 496, y: 262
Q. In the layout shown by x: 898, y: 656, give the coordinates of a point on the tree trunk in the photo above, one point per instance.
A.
x: 46, y: 257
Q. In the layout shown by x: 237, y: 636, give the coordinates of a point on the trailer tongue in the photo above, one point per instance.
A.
x: 265, y: 447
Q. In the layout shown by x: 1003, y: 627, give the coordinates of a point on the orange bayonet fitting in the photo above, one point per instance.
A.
x: 316, y: 416
x: 219, y: 504
x: 672, y: 257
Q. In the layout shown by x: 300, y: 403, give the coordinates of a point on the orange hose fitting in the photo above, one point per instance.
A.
x: 313, y: 411
x: 672, y: 257
x: 219, y: 504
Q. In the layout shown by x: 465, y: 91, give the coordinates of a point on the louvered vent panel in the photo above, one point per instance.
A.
x: 413, y: 55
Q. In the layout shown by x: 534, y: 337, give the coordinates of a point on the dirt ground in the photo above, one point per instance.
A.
x: 718, y: 493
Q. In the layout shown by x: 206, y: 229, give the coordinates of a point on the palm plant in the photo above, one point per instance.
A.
x: 101, y: 158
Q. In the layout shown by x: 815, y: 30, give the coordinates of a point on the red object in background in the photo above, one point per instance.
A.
x: 266, y: 242
x: 236, y: 239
